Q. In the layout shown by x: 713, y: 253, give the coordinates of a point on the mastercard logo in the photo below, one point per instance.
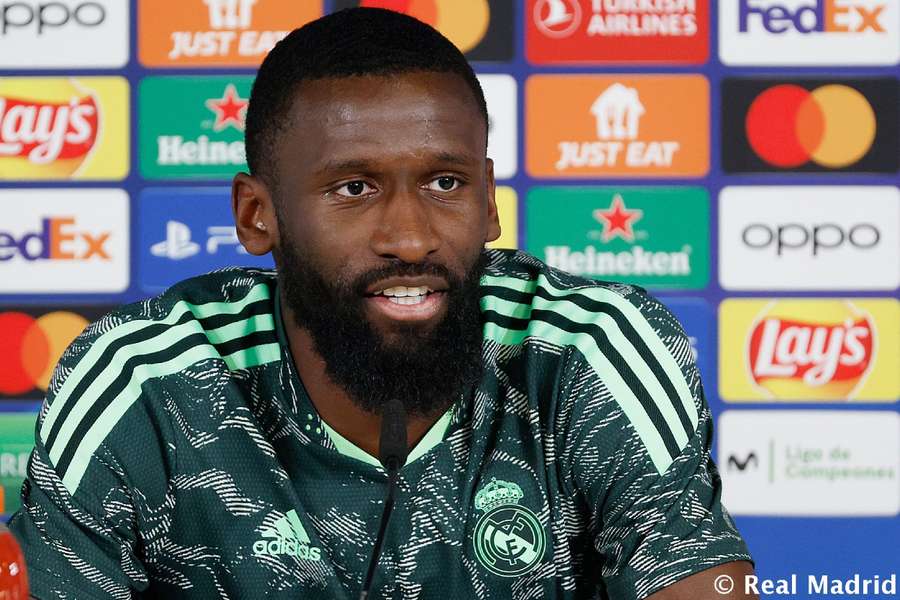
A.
x: 31, y: 347
x: 464, y: 22
x: 833, y: 126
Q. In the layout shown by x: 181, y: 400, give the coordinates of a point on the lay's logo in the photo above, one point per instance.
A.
x: 822, y: 349
x: 44, y: 132
x: 59, y: 128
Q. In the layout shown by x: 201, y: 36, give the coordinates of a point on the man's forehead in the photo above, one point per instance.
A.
x: 358, y: 100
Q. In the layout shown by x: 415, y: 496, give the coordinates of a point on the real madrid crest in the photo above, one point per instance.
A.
x: 509, y: 540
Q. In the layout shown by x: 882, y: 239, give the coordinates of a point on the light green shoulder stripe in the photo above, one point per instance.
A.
x: 635, y: 318
x: 110, y: 417
x: 513, y: 283
x: 623, y: 395
x: 164, y: 340
x: 585, y: 343
x: 618, y: 340
x: 103, y: 342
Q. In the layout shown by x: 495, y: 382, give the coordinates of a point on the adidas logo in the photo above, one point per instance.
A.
x: 288, y: 537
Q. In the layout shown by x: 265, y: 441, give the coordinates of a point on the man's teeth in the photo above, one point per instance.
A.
x: 400, y: 291
x: 402, y: 294
x: 407, y: 299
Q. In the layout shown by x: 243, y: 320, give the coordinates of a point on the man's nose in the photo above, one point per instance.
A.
x: 405, y: 230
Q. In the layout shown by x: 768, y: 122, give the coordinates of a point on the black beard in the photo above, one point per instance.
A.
x: 427, y: 369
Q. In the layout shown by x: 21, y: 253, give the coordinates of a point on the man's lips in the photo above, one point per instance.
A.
x: 408, y: 309
x: 436, y: 284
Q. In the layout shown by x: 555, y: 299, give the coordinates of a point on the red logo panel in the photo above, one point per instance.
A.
x: 606, y: 31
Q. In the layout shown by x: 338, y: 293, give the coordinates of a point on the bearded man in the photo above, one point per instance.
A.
x: 220, y: 440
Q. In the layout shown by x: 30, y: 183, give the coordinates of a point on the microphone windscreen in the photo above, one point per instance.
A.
x: 393, y: 447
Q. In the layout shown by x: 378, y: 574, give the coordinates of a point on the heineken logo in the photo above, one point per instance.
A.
x: 626, y: 234
x: 509, y: 540
x: 205, y: 138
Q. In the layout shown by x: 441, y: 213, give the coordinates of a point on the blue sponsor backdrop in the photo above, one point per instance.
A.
x: 186, y: 231
x: 781, y: 546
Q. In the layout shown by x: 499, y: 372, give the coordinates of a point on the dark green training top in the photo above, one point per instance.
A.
x: 178, y: 456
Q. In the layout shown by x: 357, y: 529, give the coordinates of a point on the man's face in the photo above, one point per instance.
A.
x: 385, y: 200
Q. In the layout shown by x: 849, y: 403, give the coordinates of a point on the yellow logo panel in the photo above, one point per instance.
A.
x: 64, y: 128
x: 508, y: 209
x: 823, y: 349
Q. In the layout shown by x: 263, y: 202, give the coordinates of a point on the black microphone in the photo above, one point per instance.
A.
x: 392, y: 452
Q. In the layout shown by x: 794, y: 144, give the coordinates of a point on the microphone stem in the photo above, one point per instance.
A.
x: 393, y: 474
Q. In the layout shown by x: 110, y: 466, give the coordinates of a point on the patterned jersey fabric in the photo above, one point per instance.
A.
x: 178, y: 456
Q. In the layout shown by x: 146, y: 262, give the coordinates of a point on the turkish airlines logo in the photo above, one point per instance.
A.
x: 616, y: 31
x: 810, y: 125
x: 43, y: 132
x: 557, y: 18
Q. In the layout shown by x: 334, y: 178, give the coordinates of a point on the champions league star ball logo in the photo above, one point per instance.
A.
x: 509, y: 540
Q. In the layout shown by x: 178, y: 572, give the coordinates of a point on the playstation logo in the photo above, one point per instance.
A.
x: 178, y: 244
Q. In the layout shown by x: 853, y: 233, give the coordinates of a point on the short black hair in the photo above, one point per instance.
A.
x: 347, y: 43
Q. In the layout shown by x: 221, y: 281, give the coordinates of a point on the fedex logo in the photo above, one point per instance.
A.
x: 824, y: 16
x: 59, y: 238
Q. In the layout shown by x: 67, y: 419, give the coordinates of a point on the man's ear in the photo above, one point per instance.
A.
x: 254, y: 214
x: 493, y: 222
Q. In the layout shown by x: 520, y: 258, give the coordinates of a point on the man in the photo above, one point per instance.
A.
x: 219, y: 441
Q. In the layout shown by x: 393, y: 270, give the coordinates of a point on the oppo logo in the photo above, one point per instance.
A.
x: 795, y: 236
x: 45, y: 16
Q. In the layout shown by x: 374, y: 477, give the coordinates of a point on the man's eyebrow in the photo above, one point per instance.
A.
x: 349, y: 164
x: 456, y: 159
x: 361, y: 164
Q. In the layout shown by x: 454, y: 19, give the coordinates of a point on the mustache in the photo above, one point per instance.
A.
x: 362, y: 282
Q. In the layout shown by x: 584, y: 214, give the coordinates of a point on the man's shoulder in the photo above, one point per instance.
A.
x: 520, y: 291
x: 603, y: 351
x: 196, y: 331
x: 215, y: 310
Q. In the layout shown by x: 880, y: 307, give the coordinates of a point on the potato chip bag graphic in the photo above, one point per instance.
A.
x: 794, y: 354
x: 49, y: 128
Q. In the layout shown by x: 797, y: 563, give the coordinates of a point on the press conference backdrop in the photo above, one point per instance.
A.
x: 739, y: 159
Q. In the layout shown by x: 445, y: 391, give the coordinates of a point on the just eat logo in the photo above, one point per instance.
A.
x: 59, y: 238
x: 824, y: 16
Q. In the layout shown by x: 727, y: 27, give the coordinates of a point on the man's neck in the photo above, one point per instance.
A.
x: 332, y: 402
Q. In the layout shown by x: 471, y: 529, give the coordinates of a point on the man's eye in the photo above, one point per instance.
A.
x: 355, y: 188
x: 445, y: 183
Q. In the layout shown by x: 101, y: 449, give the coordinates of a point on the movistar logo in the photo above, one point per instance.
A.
x: 287, y: 536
